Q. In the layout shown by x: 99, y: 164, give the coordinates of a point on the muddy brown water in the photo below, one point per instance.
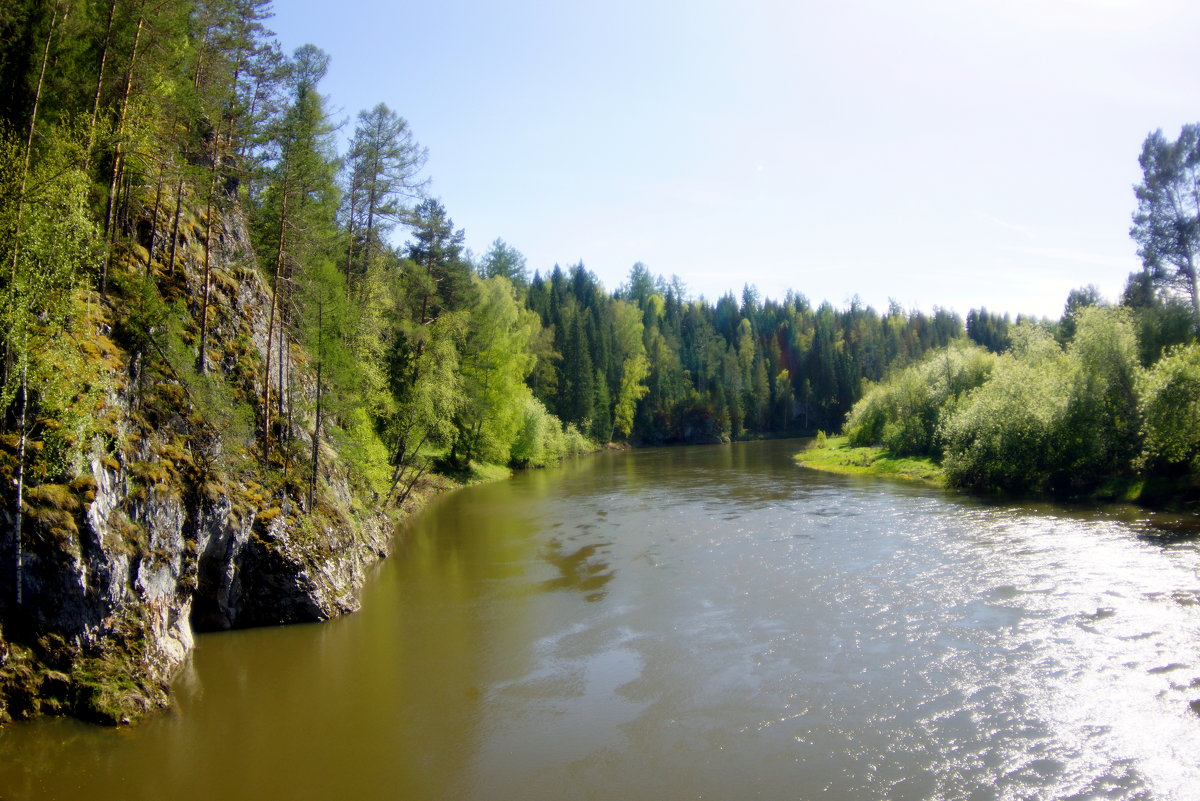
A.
x: 695, y: 623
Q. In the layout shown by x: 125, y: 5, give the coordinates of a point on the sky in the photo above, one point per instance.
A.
x: 937, y: 153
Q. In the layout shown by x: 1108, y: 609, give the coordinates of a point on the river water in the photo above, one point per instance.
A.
x: 696, y: 623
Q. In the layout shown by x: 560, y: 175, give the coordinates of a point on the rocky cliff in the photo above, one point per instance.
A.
x: 164, y: 517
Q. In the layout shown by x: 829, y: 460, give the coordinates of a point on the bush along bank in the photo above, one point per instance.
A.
x: 1084, y: 419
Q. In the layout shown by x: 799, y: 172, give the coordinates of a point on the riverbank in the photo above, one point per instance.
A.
x: 123, y: 680
x: 836, y: 455
x: 1178, y: 494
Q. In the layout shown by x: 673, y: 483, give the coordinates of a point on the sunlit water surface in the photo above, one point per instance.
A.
x: 693, y: 623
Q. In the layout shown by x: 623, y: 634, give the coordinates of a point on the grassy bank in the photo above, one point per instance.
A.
x: 1179, y: 493
x: 835, y: 455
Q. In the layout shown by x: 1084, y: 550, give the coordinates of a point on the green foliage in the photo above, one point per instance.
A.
x: 542, y: 440
x: 294, y: 218
x: 632, y: 389
x: 380, y: 170
x: 1100, y: 436
x: 1077, y: 300
x: 495, y: 362
x: 504, y: 261
x: 360, y: 447
x: 1169, y: 405
x: 1005, y: 433
x: 903, y: 413
x: 1166, y: 225
x: 47, y: 254
x: 1162, y: 319
x: 48, y: 234
x: 425, y: 395
x: 439, y: 278
x: 989, y: 330
x: 1042, y: 417
x: 1049, y: 419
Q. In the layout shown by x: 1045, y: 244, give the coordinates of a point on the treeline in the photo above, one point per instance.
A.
x: 136, y: 135
x: 651, y: 364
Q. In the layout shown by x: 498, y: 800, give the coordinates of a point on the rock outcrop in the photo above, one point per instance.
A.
x: 172, y: 521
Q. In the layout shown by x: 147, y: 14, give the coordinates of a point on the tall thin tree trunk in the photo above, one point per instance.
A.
x: 371, y: 201
x: 154, y: 218
x: 175, y: 225
x: 251, y: 110
x: 87, y: 156
x: 229, y: 112
x: 21, y: 474
x: 350, y: 238
x: 118, y: 157
x: 279, y: 259
x: 282, y: 345
x: 37, y: 101
x: 316, y: 447
x: 284, y: 414
x: 200, y: 359
x: 199, y: 72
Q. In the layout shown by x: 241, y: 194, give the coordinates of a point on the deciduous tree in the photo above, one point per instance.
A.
x: 1166, y: 225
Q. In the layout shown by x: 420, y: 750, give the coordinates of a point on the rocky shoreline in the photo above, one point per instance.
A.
x: 167, y: 526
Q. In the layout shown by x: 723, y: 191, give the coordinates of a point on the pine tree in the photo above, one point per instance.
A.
x: 295, y: 220
x: 381, y: 170
x: 505, y: 261
x: 440, y: 279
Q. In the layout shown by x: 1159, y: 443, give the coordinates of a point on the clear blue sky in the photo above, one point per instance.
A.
x: 954, y: 153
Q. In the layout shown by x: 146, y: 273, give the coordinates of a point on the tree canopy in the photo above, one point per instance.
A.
x: 1166, y: 225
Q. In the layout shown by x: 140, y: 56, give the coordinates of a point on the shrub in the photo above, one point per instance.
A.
x: 1100, y: 436
x: 534, y: 436
x: 1169, y: 406
x: 1005, y: 433
x: 542, y: 440
x: 903, y: 413
x: 1049, y: 419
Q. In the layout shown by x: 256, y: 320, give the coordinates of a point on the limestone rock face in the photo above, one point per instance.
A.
x: 176, y: 527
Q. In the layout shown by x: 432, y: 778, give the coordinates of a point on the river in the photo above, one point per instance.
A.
x: 695, y: 623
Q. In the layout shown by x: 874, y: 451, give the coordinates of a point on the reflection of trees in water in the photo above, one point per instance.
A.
x: 584, y: 569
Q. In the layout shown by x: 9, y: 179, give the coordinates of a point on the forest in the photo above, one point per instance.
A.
x: 135, y: 133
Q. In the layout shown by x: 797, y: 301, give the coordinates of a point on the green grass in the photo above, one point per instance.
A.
x: 835, y: 455
x: 472, y: 473
x: 483, y: 473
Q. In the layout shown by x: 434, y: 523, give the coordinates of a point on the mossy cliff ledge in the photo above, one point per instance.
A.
x: 158, y: 496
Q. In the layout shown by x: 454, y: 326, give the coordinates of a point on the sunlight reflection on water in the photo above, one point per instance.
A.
x: 699, y: 623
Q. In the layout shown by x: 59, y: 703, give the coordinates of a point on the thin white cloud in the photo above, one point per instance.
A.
x: 1024, y: 230
x: 1076, y: 256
